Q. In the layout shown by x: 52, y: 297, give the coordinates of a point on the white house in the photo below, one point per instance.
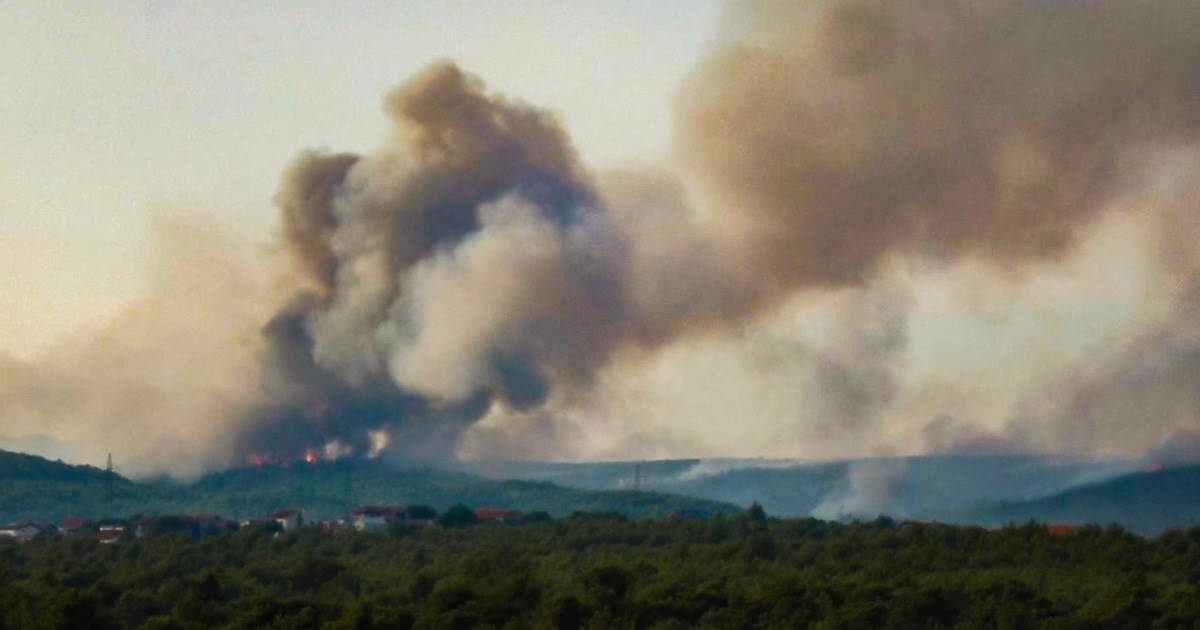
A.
x: 289, y: 519
x: 78, y: 525
x: 375, y: 518
x: 21, y: 531
x: 110, y: 534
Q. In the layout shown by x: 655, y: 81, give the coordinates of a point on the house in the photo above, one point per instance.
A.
x: 109, y: 534
x: 496, y: 515
x: 332, y: 526
x: 1061, y: 529
x: 290, y: 519
x: 78, y: 525
x: 23, y: 531
x: 375, y: 518
x: 370, y: 522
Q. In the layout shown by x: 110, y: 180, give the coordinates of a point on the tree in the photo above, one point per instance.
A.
x: 536, y: 517
x: 755, y: 513
x: 73, y: 609
x: 458, y: 515
x: 420, y: 513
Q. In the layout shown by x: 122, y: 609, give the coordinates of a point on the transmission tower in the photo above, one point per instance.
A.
x: 348, y: 489
x: 110, y: 475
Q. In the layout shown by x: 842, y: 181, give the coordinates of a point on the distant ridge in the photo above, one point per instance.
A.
x: 37, y: 489
x: 14, y: 465
x: 1147, y: 502
x: 930, y: 487
x: 988, y: 491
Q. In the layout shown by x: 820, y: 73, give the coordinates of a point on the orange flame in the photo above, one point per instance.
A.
x: 258, y: 460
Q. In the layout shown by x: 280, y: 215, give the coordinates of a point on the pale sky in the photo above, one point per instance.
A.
x: 114, y: 113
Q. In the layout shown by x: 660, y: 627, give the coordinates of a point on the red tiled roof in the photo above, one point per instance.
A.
x: 200, y: 518
x: 494, y: 514
x: 1061, y: 530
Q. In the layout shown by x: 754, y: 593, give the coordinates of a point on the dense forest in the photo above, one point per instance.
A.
x: 604, y: 571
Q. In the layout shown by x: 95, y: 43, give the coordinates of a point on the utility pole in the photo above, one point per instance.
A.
x: 109, y: 474
x: 637, y: 477
x: 348, y: 490
x: 306, y: 485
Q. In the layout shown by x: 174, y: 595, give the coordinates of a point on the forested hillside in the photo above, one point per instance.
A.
x: 32, y: 488
x: 1147, y: 502
x: 937, y: 487
x: 741, y: 572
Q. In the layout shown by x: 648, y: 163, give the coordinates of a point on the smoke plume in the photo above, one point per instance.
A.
x: 161, y: 385
x: 875, y: 203
x: 836, y: 134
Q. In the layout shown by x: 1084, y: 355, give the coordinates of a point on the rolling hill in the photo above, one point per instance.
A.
x: 922, y: 488
x: 974, y: 490
x: 1147, y: 503
x: 33, y: 488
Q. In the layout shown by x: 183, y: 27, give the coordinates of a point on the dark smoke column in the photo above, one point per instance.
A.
x: 465, y: 264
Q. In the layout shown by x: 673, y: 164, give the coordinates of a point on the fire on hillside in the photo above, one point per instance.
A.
x: 331, y: 451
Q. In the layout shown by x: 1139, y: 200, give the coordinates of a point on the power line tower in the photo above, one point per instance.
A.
x: 307, y: 473
x: 110, y: 475
x: 348, y: 489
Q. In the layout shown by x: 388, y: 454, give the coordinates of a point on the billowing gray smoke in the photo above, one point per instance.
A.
x: 471, y: 263
x: 466, y: 264
x: 837, y: 134
x: 847, y: 156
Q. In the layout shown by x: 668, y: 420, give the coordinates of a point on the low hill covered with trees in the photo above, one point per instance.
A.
x: 606, y: 572
x: 1146, y: 503
x: 35, y: 489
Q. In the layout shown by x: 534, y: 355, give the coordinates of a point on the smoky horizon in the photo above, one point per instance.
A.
x: 884, y: 229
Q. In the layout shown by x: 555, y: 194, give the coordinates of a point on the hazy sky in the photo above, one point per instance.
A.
x: 894, y: 228
x: 115, y: 113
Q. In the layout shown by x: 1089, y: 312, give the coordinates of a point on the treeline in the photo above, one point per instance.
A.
x: 604, y: 571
